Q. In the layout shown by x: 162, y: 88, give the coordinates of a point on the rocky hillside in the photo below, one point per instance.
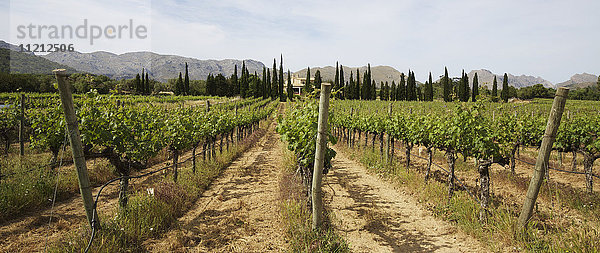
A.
x: 17, y: 62
x: 579, y: 81
x: 378, y: 73
x: 486, y: 77
x: 159, y: 67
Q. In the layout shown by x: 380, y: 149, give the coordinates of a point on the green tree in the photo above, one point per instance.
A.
x: 336, y: 81
x: 357, y: 87
x: 290, y: 89
x: 268, y: 84
x: 351, y: 88
x: 274, y: 82
x: 446, y: 86
x: 307, y: 84
x: 475, y: 91
x: 504, y: 93
x: 234, y: 81
x: 341, y: 83
x: 282, y: 96
x: 318, y: 79
x: 393, y: 91
x: 179, y: 85
x: 137, y: 83
x: 186, y: 81
x: 429, y: 89
x: 495, y: 90
x: 401, y: 88
x: 147, y: 84
x: 143, y: 83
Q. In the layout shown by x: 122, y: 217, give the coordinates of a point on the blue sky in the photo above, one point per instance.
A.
x: 551, y: 39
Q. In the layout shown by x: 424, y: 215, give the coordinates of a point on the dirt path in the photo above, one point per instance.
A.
x: 374, y: 216
x: 239, y: 212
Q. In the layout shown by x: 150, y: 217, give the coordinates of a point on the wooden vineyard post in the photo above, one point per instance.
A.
x: 76, y: 146
x: 317, y: 198
x: 541, y: 163
x: 22, y: 127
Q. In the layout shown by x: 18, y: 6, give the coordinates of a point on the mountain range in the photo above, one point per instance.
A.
x: 163, y: 67
x: 159, y: 67
x: 579, y: 81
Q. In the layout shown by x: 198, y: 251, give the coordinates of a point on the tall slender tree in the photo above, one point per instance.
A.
x: 495, y: 90
x: 475, y: 91
x: 282, y: 96
x: 290, y: 88
x: 234, y: 81
x: 137, y: 83
x: 179, y: 85
x: 186, y: 81
x: 373, y: 90
x: 318, y: 79
x: 411, y: 87
x: 307, y: 84
x: 447, y: 86
x: 393, y: 91
x: 275, y: 82
x: 504, y: 93
x: 429, y: 89
x: 402, y: 88
x: 336, y: 81
x: 148, y: 91
x: 357, y: 86
x: 351, y: 88
x: 341, y: 82
x: 268, y: 84
x: 142, y: 83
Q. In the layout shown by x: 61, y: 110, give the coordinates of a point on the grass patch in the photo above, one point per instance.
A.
x: 29, y: 190
x: 296, y: 215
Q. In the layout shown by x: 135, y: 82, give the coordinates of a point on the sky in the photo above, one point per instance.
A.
x: 551, y: 39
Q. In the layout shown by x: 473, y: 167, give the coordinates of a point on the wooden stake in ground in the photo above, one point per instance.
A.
x: 541, y: 163
x: 76, y: 146
x: 317, y: 198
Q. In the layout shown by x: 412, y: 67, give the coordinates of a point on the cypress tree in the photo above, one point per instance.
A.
x: 461, y: 87
x: 373, y: 90
x: 142, y: 83
x: 357, y: 87
x: 430, y: 88
x: 504, y: 93
x: 475, y: 92
x: 186, y: 81
x: 179, y: 85
x: 318, y: 80
x: 495, y: 90
x: 411, y: 87
x: 234, y: 81
x: 137, y: 83
x: 336, y: 81
x: 307, y: 85
x: 341, y: 82
x: 393, y: 91
x: 402, y: 88
x: 446, y: 85
x: 147, y: 84
x: 241, y: 81
x: 370, y: 89
x: 290, y: 88
x: 268, y: 84
x: 274, y: 82
x: 351, y: 89
x: 282, y: 96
